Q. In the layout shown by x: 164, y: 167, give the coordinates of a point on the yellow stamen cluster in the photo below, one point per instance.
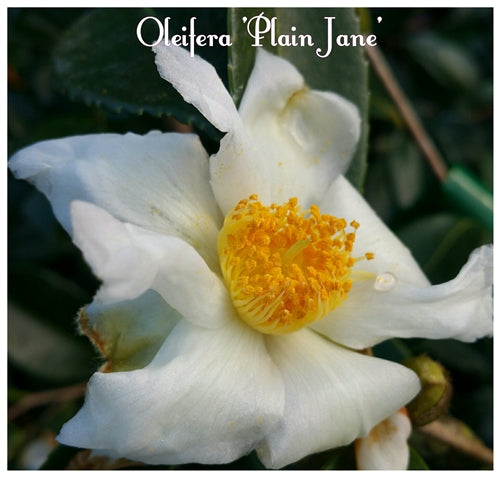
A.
x: 285, y: 268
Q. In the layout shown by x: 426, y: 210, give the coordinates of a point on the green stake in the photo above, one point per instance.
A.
x: 470, y: 195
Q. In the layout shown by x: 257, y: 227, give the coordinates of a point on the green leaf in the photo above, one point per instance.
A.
x: 442, y: 242
x: 405, y: 160
x: 447, y: 62
x: 241, y: 55
x: 416, y: 462
x: 59, y: 458
x: 101, y: 61
x: 343, y: 71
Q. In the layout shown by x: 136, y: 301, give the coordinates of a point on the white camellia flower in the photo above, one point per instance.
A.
x: 238, y: 289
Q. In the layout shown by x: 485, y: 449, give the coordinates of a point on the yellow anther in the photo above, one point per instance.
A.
x: 354, y: 224
x: 285, y: 268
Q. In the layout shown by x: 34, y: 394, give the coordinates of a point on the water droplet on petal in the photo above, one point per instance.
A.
x: 385, y: 281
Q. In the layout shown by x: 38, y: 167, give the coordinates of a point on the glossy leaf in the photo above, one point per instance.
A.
x: 101, y: 61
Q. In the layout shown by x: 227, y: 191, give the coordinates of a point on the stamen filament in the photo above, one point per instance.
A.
x: 295, y: 250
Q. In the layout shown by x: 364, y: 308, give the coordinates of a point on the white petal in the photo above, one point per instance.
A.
x: 294, y: 143
x: 459, y: 309
x: 391, y: 255
x: 304, y: 137
x: 128, y: 333
x: 386, y: 447
x: 272, y: 82
x: 158, y: 181
x: 198, y: 83
x: 235, y: 173
x: 208, y: 397
x: 130, y: 260
x: 333, y: 395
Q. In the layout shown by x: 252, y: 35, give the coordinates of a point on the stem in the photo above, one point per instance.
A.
x: 448, y: 431
x: 409, y: 114
x: 46, y: 397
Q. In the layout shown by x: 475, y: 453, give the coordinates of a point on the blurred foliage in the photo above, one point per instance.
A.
x: 443, y: 59
x: 97, y: 75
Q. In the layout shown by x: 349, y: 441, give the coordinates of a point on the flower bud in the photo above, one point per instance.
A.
x: 434, y: 397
